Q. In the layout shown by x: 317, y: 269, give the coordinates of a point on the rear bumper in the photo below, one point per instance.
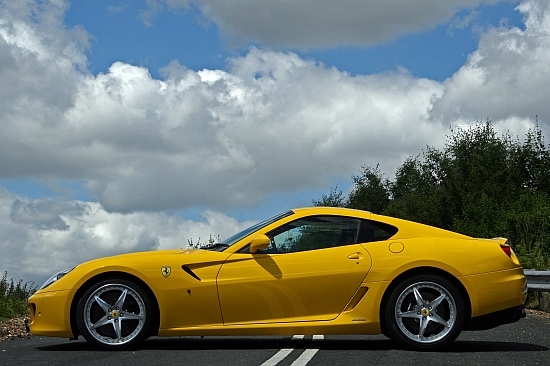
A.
x: 493, y: 292
x: 492, y: 320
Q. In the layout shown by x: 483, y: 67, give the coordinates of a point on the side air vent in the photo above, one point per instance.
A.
x: 356, y: 298
x: 190, y: 273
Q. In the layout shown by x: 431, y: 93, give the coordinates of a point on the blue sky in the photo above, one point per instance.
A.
x: 137, y: 125
x: 120, y: 34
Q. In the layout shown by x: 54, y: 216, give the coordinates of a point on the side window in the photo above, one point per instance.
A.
x: 315, y: 232
x: 318, y: 232
x: 375, y: 231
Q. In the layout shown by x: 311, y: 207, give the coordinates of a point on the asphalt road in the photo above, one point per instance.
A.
x: 526, y: 342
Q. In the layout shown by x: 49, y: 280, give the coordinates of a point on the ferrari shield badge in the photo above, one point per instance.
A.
x: 165, y: 270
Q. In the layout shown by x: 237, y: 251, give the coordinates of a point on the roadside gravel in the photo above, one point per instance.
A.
x: 537, y: 313
x: 14, y: 328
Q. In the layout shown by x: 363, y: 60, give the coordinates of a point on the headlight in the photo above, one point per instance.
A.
x: 55, y: 277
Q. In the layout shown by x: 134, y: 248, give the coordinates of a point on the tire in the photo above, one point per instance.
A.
x: 424, y: 313
x: 115, y: 314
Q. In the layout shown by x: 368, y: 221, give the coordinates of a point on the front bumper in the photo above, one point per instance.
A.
x: 50, y: 314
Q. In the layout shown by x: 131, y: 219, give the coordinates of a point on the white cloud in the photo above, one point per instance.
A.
x: 41, y: 236
x: 507, y: 77
x: 273, y: 122
x: 220, y: 139
x: 309, y: 24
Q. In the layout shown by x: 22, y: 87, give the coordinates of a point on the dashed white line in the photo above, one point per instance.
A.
x: 279, y: 356
x: 302, y: 360
x: 308, y: 354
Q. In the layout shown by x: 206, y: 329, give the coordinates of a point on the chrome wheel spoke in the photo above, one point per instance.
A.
x: 118, y: 330
x: 437, y: 319
x: 410, y: 314
x: 101, y: 322
x: 435, y: 303
x: 418, y: 297
x: 106, y: 307
x: 128, y: 316
x: 423, y: 324
x: 121, y: 299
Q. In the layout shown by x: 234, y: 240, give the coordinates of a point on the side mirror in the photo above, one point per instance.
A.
x: 258, y: 243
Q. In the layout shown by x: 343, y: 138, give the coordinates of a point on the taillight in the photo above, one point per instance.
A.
x: 506, y: 249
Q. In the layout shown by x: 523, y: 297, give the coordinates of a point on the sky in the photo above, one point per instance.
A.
x: 141, y: 125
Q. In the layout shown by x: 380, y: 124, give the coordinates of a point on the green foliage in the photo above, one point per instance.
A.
x: 480, y: 184
x: 417, y: 193
x: 370, y: 192
x: 335, y: 198
x: 13, y: 297
x: 533, y: 160
x: 529, y: 223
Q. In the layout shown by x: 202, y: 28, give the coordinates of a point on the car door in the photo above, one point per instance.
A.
x: 310, y: 272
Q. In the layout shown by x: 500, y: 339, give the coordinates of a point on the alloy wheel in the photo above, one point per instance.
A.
x: 425, y: 312
x: 114, y: 314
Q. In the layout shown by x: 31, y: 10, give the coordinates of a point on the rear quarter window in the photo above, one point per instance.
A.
x: 375, y: 231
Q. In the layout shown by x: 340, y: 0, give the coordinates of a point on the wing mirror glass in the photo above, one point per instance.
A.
x: 258, y: 243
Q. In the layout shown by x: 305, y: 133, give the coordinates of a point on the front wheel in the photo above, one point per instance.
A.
x: 425, y: 312
x: 115, y: 314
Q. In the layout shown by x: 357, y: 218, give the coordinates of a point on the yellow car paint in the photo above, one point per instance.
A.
x: 336, y: 290
x: 309, y: 286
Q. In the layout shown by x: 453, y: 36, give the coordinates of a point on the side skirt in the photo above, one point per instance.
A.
x: 306, y: 328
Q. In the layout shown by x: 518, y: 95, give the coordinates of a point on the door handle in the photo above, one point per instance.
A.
x: 357, y: 255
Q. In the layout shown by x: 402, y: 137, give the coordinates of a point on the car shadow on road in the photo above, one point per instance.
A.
x: 244, y: 343
x: 492, y: 346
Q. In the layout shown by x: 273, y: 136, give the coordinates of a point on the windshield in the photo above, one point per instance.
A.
x: 235, y: 238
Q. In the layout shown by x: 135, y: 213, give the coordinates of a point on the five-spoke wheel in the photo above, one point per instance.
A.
x: 424, y: 312
x: 115, y: 314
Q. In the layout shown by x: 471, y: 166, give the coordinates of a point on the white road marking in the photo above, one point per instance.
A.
x: 279, y: 356
x: 308, y: 354
x: 302, y: 360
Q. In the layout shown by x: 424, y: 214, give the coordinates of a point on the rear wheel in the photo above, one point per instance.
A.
x: 115, y: 314
x: 424, y: 312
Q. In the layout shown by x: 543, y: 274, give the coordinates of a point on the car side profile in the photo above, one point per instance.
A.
x: 317, y: 270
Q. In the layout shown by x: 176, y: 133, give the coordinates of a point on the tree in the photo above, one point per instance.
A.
x: 371, y: 191
x: 532, y: 159
x: 417, y: 191
x: 480, y: 179
x: 335, y: 198
x: 480, y: 184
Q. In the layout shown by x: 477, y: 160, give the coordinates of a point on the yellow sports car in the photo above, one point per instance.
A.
x: 313, y: 270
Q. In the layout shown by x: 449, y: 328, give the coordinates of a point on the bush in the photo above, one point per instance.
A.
x: 13, y: 297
